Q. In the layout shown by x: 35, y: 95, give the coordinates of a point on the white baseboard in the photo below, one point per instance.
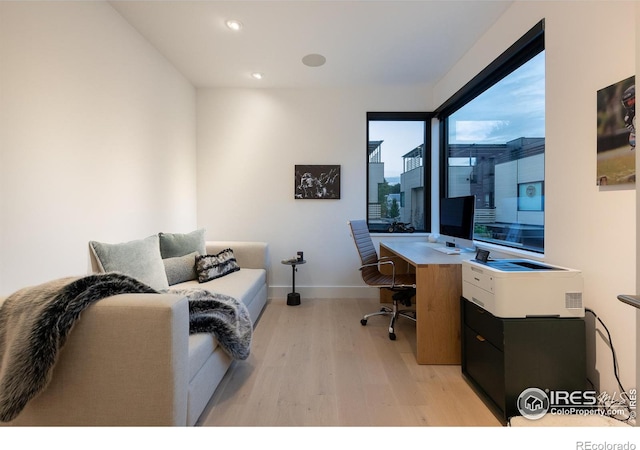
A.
x: 325, y: 291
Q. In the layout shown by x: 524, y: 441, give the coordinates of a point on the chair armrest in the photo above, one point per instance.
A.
x: 380, y: 262
x: 383, y: 262
x: 388, y: 258
x: 124, y: 363
x: 249, y: 254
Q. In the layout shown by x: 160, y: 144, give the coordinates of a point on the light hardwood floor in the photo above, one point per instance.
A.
x: 315, y: 365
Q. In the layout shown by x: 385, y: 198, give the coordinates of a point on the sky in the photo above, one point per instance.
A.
x: 521, y: 98
x: 521, y: 113
x: 400, y: 137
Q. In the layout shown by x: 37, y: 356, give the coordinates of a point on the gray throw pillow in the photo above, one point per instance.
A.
x: 180, y: 244
x: 210, y: 267
x: 180, y: 268
x: 139, y: 259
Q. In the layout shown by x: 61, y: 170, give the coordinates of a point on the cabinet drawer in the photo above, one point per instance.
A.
x: 484, y: 364
x: 483, y: 323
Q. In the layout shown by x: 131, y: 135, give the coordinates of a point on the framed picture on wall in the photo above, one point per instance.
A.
x: 317, y: 182
x: 616, y: 129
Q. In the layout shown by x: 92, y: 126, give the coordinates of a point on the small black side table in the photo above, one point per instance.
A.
x: 293, y: 298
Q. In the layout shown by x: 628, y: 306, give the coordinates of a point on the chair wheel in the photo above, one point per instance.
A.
x: 392, y: 336
x: 363, y: 322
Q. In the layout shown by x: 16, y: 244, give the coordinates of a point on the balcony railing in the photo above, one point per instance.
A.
x: 485, y: 215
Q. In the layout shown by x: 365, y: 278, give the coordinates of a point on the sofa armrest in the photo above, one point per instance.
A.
x: 249, y: 255
x: 124, y: 363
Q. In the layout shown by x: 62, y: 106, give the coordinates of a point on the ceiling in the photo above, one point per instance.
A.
x: 365, y: 42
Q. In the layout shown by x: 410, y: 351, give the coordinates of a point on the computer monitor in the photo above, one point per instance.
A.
x: 457, y: 221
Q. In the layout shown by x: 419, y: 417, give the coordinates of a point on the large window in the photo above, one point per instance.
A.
x: 493, y: 144
x: 398, y: 171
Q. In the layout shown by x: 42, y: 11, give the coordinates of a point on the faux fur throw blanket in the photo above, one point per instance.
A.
x: 35, y: 323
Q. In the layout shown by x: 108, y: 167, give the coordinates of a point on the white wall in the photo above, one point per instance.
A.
x: 249, y: 141
x: 589, y: 45
x: 97, y: 139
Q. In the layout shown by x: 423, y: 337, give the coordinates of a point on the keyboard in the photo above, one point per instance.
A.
x: 447, y: 250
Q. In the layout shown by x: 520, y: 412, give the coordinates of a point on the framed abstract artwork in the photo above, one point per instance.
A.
x: 317, y: 182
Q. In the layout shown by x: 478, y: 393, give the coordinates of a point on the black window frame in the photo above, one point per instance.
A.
x: 398, y: 116
x: 523, y: 50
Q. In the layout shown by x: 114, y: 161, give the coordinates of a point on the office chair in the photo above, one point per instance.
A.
x: 403, y: 285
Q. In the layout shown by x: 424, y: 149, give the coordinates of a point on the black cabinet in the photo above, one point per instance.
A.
x: 503, y: 357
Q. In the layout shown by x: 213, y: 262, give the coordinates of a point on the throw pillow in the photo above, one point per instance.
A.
x: 210, y: 267
x: 180, y: 244
x: 180, y: 268
x: 139, y: 259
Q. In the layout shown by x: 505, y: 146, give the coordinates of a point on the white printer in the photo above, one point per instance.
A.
x: 517, y: 288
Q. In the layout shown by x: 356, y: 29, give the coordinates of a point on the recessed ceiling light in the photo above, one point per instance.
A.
x: 257, y: 75
x: 314, y: 60
x: 235, y: 25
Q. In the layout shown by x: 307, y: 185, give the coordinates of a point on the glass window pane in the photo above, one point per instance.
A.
x: 396, y: 168
x: 495, y: 151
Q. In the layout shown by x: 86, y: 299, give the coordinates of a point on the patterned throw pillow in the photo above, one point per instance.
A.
x: 210, y: 267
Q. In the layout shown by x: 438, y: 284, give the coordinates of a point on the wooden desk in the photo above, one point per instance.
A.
x: 438, y: 292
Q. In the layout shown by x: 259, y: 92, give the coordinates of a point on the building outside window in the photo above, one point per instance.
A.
x: 398, y: 165
x: 494, y: 143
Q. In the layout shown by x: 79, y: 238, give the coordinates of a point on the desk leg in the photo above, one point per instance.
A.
x: 439, y: 287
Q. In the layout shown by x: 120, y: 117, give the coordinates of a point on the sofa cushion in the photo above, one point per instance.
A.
x: 242, y: 285
x: 180, y: 244
x: 210, y: 267
x: 181, y: 268
x: 139, y: 259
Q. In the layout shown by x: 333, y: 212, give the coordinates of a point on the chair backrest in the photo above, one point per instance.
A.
x: 366, y: 249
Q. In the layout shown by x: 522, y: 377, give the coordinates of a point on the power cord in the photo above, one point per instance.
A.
x: 621, y: 403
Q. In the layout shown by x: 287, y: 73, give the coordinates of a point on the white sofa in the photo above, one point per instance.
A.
x: 130, y: 360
